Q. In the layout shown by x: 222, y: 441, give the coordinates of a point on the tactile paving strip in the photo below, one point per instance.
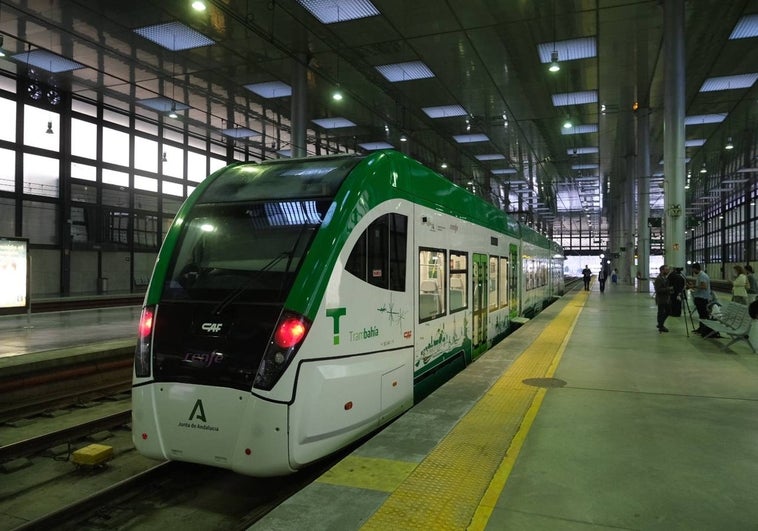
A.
x: 444, y: 490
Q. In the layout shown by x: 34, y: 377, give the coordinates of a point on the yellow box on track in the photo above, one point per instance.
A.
x: 92, y: 455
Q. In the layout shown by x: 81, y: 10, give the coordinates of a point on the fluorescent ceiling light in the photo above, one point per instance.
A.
x: 699, y: 119
x: 239, y: 132
x: 48, y: 61
x: 490, y: 156
x: 582, y: 151
x: 568, y: 50
x: 373, y: 146
x: 330, y: 11
x: 740, y: 81
x: 504, y: 171
x: 747, y: 170
x: 575, y: 98
x: 333, y: 123
x: 174, y: 36
x: 405, y: 71
x: 695, y: 142
x: 579, y: 129
x: 746, y: 27
x: 162, y: 104
x: 444, y: 111
x: 734, y: 181
x: 585, y: 166
x: 270, y: 89
x: 468, y: 139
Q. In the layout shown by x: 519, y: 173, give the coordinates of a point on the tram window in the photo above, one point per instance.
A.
x: 503, y: 281
x: 458, y: 280
x: 432, y: 289
x: 379, y: 256
x: 492, y: 282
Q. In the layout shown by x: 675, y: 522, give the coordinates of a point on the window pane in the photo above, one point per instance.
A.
x: 115, y: 147
x: 118, y: 178
x: 41, y: 175
x: 84, y: 108
x: 7, y: 169
x: 36, y: 124
x: 217, y: 164
x: 145, y: 183
x: 8, y: 219
x: 458, y: 280
x: 113, y: 197
x: 145, y: 154
x: 83, y: 139
x: 173, y: 188
x: 432, y: 287
x: 83, y: 171
x: 173, y: 163
x: 40, y: 222
x: 503, y: 282
x: 196, y: 167
x: 83, y: 194
x: 8, y: 123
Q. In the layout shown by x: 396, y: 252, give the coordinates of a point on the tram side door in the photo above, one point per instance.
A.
x: 479, y: 290
x: 513, y: 286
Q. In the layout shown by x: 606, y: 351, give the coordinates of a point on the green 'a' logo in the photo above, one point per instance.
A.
x: 335, y: 314
x: 198, y: 412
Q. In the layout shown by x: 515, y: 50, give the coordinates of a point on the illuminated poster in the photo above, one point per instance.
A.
x: 13, y: 284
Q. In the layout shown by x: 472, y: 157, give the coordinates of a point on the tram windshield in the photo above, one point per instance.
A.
x: 249, y: 252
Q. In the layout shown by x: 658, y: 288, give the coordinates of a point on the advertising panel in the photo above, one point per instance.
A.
x: 13, y: 273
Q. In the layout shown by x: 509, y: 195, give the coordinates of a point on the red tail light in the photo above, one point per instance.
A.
x: 146, y: 323
x: 290, y: 332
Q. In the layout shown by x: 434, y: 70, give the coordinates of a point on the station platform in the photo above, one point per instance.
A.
x: 584, y: 418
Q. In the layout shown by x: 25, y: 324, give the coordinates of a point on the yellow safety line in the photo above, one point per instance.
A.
x: 444, y: 490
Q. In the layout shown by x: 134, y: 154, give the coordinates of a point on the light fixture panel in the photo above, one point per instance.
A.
x: 695, y: 142
x: 585, y: 166
x: 239, y: 132
x: 333, y: 123
x: 582, y: 151
x: 331, y: 11
x: 504, y: 171
x: 490, y: 156
x: 579, y: 129
x: 47, y: 61
x: 174, y: 36
x: 469, y: 139
x: 405, y: 71
x: 444, y: 111
x: 373, y: 146
x: 161, y: 104
x: 700, y: 119
x: 270, y: 89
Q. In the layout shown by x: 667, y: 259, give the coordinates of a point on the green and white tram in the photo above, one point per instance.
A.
x: 298, y: 305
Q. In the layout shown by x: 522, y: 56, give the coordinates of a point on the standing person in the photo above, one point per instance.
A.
x: 752, y: 283
x: 615, y: 276
x: 601, y: 279
x: 739, y: 285
x: 676, y: 282
x: 701, y: 294
x: 662, y: 297
x: 586, y: 274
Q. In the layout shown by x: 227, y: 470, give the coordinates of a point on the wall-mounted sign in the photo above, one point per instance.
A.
x: 13, y: 273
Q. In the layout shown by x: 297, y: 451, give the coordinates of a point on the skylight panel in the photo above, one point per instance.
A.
x: 333, y: 123
x: 579, y: 129
x: 270, y: 89
x: 582, y: 151
x: 568, y: 50
x: 331, y: 11
x: 239, y: 132
x: 585, y: 166
x: 575, y: 98
x: 48, y: 61
x: 405, y: 71
x: 740, y: 81
x: 700, y: 119
x: 373, y: 146
x: 490, y: 156
x: 469, y: 139
x: 746, y: 27
x: 695, y: 142
x: 444, y: 111
x: 174, y: 36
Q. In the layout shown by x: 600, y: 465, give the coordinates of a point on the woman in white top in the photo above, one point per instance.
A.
x: 739, y: 285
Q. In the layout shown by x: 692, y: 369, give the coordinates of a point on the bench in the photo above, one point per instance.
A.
x: 735, y: 322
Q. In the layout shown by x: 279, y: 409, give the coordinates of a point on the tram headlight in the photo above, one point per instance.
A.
x: 144, y: 342
x: 288, y: 335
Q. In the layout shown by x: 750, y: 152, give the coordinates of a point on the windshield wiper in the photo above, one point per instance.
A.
x: 239, y: 291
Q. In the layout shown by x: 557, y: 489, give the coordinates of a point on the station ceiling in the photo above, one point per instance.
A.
x: 485, y: 104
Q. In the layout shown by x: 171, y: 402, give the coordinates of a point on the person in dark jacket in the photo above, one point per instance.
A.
x: 676, y: 282
x: 662, y: 297
x: 586, y: 275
